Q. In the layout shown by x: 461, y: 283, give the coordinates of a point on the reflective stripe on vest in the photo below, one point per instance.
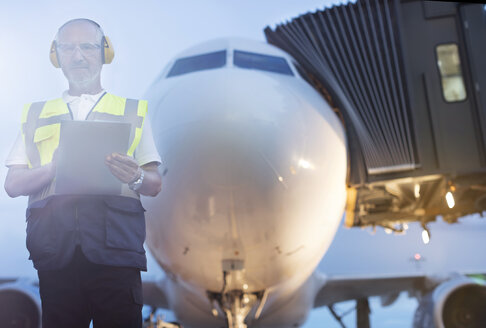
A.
x: 41, y: 126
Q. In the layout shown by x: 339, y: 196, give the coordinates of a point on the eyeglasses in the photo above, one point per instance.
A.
x: 88, y: 49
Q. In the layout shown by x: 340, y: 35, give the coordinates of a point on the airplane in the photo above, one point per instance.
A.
x: 254, y: 170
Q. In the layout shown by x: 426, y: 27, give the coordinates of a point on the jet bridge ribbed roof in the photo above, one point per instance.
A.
x: 351, y: 51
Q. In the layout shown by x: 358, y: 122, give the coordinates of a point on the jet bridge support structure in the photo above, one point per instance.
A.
x: 408, y: 79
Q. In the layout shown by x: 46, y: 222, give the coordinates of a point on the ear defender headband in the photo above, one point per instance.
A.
x: 107, y: 51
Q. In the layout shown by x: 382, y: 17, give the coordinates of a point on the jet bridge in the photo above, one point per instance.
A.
x: 407, y: 79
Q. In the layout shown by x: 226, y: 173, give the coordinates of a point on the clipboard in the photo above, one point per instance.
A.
x: 83, y: 147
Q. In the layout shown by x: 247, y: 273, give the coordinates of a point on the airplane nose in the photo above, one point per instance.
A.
x: 232, y: 126
x: 246, y: 156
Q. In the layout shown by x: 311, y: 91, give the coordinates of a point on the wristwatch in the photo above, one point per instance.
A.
x: 135, y: 185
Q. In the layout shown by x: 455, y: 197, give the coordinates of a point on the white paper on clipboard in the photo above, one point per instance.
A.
x: 83, y: 147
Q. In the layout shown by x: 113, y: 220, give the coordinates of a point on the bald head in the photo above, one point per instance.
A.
x: 81, y: 23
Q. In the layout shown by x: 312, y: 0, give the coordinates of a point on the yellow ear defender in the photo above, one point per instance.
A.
x: 53, y: 55
x: 107, y: 51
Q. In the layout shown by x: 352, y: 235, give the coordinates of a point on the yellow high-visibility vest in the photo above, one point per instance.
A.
x: 41, y: 128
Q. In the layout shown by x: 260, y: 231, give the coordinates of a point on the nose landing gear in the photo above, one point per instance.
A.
x: 234, y: 302
x: 235, y: 305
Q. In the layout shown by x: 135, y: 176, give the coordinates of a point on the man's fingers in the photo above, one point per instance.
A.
x: 117, y: 172
x: 125, y: 168
x: 121, y: 174
x: 123, y: 161
x: 120, y: 165
x: 128, y: 170
x: 127, y: 160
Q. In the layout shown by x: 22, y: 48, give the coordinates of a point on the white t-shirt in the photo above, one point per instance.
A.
x: 80, y: 107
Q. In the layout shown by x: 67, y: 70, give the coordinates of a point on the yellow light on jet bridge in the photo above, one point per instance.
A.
x: 425, y: 236
x: 416, y: 190
x: 450, y: 199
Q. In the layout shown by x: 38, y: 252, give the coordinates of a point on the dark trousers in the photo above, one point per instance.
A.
x: 84, y: 291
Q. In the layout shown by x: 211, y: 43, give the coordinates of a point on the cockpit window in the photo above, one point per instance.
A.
x: 244, y: 59
x: 198, y: 63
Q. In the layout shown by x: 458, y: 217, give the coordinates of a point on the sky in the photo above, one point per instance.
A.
x: 146, y: 34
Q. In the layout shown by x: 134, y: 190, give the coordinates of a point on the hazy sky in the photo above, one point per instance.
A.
x: 145, y: 35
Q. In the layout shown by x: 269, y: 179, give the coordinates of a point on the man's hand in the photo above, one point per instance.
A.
x: 124, y: 167
x: 21, y: 180
x: 127, y: 170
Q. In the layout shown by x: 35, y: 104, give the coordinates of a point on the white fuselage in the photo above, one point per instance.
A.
x: 254, y: 169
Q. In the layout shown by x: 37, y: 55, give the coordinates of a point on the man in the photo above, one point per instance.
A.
x: 88, y: 249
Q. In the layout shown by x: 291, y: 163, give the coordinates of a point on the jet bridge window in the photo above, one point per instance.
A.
x: 261, y: 62
x: 449, y: 64
x: 198, y: 63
